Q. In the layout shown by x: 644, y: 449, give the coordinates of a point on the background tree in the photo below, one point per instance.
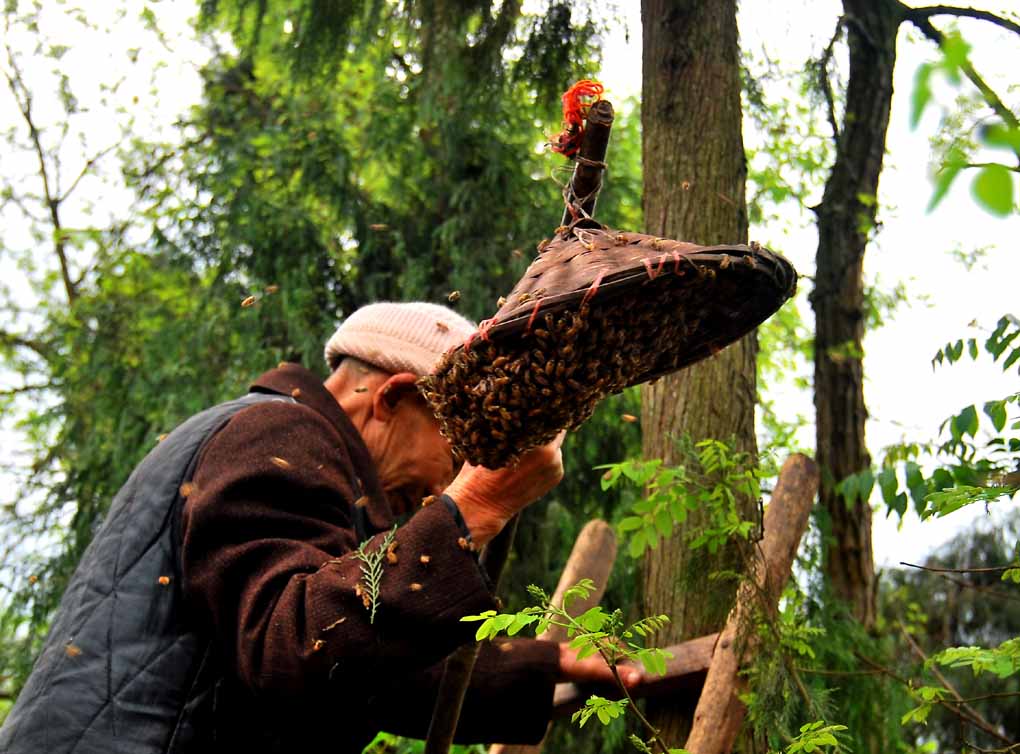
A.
x: 694, y: 173
x: 846, y: 221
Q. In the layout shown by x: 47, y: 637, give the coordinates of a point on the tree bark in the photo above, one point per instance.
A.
x: 694, y: 173
x: 846, y: 218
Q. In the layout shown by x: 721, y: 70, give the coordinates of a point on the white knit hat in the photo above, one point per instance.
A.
x: 408, y: 337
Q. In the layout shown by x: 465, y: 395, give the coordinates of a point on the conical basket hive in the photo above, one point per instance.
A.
x: 597, y: 311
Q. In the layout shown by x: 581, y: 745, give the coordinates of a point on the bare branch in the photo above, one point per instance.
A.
x: 990, y: 164
x: 19, y: 202
x: 1002, y: 750
x: 25, y: 389
x: 823, y: 78
x: 85, y: 170
x: 839, y: 673
x: 23, y: 98
x: 993, y: 569
x: 1000, y: 695
x: 915, y: 14
x: 979, y: 588
x: 20, y: 341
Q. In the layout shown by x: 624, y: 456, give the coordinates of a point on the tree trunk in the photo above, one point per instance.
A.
x: 846, y: 217
x: 694, y: 172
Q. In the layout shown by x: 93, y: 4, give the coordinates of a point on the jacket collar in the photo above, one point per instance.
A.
x: 307, y: 389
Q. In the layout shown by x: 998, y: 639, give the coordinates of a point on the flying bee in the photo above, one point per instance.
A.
x: 453, y: 297
x: 250, y: 301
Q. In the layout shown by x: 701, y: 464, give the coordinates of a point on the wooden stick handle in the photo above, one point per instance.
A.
x: 587, y: 178
x: 592, y: 557
x: 459, y: 665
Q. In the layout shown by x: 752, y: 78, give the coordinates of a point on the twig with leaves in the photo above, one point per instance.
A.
x: 594, y: 631
x: 372, y: 569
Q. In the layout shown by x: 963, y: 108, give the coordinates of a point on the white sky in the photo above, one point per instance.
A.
x: 905, y: 398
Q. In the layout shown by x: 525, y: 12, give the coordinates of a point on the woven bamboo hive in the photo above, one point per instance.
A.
x: 597, y: 311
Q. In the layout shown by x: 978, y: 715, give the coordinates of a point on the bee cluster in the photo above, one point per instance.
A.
x: 499, y: 398
x: 596, y: 312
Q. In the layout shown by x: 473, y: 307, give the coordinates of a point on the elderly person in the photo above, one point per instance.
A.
x: 225, y: 605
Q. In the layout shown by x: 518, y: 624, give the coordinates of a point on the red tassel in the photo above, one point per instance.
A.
x: 575, y: 110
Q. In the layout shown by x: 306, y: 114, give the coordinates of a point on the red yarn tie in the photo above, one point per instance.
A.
x: 576, y: 101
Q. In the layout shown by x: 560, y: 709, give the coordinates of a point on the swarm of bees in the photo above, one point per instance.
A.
x: 552, y: 352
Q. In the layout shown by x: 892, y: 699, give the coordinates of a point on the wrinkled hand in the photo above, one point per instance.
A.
x: 593, y: 669
x: 488, y: 499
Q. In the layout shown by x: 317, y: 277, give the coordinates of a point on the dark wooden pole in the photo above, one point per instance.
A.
x: 459, y: 665
x: 592, y: 557
x: 587, y: 178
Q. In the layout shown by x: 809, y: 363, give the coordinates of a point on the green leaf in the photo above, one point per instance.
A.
x: 954, y: 50
x: 1011, y: 360
x: 888, y: 483
x: 1000, y: 135
x: 993, y: 189
x: 968, y: 421
x: 520, y: 621
x: 663, y: 522
x: 630, y: 523
x: 848, y: 488
x: 636, y: 546
x: 866, y: 483
x: 996, y: 411
x: 593, y: 619
x: 921, y: 95
x: 941, y: 479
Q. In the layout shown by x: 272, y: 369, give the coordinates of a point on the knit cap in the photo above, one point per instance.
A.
x: 399, y: 337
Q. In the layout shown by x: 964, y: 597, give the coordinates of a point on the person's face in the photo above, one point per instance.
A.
x: 413, y: 459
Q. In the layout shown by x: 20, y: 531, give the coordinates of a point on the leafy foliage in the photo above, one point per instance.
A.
x: 592, y: 632
x: 968, y: 473
x: 815, y: 736
x: 605, y: 709
x: 994, y: 184
x: 713, y: 477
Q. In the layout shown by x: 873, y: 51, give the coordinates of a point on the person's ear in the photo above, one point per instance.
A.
x: 390, y: 393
